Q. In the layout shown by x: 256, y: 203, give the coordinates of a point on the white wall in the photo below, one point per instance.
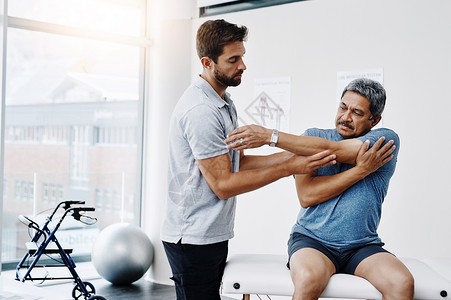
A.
x: 310, y: 42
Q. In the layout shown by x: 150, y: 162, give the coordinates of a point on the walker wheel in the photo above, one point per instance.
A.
x: 77, y: 292
x: 96, y: 298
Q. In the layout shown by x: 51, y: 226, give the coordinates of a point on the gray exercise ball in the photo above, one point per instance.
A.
x: 122, y: 253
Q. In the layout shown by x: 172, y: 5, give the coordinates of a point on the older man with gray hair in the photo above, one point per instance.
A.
x: 341, y: 204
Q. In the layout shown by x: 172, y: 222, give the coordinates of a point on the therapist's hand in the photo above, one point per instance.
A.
x: 308, y: 164
x: 248, y: 137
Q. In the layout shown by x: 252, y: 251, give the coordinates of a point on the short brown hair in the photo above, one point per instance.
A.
x: 213, y: 35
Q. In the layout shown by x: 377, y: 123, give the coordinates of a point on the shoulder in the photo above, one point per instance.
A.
x: 388, y: 133
x: 193, y: 95
x: 194, y: 103
x: 375, y: 134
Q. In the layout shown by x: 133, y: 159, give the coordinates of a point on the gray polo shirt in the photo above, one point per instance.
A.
x: 199, y: 124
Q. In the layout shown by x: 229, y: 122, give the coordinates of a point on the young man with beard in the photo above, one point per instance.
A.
x: 204, y: 176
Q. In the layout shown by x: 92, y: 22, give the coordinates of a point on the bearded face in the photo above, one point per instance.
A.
x: 233, y: 80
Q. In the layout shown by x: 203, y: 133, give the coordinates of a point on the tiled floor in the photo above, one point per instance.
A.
x: 140, y: 290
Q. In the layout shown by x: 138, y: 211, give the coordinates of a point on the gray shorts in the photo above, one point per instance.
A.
x: 345, y: 260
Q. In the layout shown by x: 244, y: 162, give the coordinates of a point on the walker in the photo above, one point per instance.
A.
x: 50, y: 246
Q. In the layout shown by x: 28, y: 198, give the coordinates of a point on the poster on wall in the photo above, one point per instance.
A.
x: 345, y: 77
x: 270, y: 107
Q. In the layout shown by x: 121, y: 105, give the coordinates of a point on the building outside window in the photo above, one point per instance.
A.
x: 73, y: 115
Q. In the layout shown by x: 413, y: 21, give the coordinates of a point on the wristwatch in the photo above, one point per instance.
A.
x: 274, y: 138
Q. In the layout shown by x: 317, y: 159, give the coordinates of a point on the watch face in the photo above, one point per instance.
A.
x: 274, y: 138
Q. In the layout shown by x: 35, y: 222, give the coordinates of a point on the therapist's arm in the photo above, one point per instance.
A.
x: 219, y: 175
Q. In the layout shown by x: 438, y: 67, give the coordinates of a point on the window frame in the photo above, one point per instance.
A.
x: 217, y: 7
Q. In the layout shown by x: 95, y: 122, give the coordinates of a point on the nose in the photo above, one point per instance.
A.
x: 242, y: 65
x: 346, y: 116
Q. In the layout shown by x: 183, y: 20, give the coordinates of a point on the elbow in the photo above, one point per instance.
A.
x: 222, y: 188
x: 306, y: 200
x: 304, y: 204
x: 222, y: 192
x: 223, y: 195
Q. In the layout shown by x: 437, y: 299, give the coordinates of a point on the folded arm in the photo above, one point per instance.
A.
x: 313, y: 189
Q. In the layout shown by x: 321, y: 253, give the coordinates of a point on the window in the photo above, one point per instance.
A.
x: 45, y: 193
x: 118, y: 17
x: 73, y: 117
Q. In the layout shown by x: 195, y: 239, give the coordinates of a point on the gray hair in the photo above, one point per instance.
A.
x: 370, y: 89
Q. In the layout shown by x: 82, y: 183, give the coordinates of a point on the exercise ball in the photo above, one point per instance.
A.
x: 122, y: 253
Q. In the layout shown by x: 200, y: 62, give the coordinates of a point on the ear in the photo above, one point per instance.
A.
x: 375, y: 121
x: 206, y: 62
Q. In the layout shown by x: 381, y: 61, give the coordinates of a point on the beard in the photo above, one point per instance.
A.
x: 228, y: 81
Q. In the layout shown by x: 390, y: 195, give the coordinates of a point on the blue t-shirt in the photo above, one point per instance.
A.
x: 352, y: 218
x: 199, y: 125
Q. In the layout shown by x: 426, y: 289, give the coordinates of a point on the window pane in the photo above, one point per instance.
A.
x: 71, y: 133
x: 115, y: 16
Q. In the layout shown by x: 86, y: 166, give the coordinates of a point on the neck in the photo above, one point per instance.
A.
x: 219, y: 88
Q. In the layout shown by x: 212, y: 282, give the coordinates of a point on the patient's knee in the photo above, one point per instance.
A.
x: 309, y: 282
x: 401, y: 286
x: 407, y: 284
